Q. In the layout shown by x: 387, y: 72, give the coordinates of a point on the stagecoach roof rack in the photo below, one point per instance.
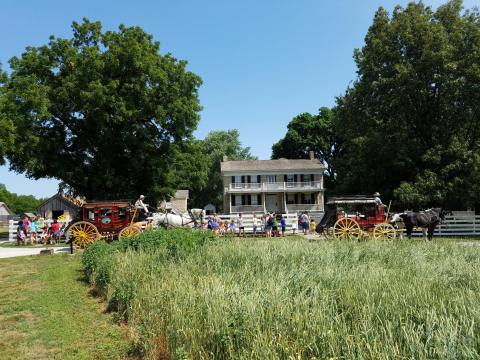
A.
x: 351, y: 199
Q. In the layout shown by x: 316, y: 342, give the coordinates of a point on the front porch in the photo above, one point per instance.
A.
x: 275, y: 202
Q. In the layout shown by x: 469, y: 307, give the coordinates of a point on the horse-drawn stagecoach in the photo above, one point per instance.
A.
x: 111, y: 220
x: 103, y: 219
x: 348, y: 217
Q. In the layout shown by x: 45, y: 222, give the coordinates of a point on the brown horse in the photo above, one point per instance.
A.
x: 427, y: 220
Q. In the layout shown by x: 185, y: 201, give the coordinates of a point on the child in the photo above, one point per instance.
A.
x: 20, y: 233
x: 33, y: 231
x: 254, y: 224
x: 283, y: 224
x: 274, y: 225
x: 294, y: 226
x: 313, y: 225
x: 232, y: 227
x: 55, y: 230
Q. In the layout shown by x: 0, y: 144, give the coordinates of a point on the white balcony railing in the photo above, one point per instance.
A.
x: 276, y: 186
x: 304, y: 207
x: 247, y: 208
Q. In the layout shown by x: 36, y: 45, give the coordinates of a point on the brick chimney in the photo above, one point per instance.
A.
x: 225, y: 158
x: 311, y: 155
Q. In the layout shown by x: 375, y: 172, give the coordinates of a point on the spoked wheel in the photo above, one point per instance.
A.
x: 346, y: 229
x: 82, y: 234
x: 130, y: 230
x: 384, y: 232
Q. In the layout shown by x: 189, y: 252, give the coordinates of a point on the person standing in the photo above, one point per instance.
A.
x: 283, y: 224
x: 241, y: 226
x: 305, y: 222
x: 26, y: 225
x: 274, y: 225
x: 33, y: 231
x: 55, y: 230
x: 254, y: 224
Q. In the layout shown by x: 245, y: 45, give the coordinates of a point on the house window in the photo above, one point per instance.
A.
x: 290, y: 180
x: 238, y: 182
x: 253, y: 179
x: 254, y: 199
x: 238, y: 200
x: 271, y: 179
x: 290, y: 198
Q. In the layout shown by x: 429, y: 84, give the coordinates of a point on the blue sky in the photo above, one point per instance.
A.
x: 262, y: 62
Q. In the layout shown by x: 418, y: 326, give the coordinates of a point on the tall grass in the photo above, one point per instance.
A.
x: 285, y: 299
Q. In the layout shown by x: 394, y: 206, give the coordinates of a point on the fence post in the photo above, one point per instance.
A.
x: 11, y: 231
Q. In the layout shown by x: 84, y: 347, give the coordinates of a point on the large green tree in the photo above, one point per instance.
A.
x: 210, y: 153
x: 19, y: 203
x: 6, y: 125
x: 103, y: 112
x: 307, y: 132
x: 410, y: 124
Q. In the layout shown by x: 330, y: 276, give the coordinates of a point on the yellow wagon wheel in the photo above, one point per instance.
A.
x: 346, y: 229
x: 384, y: 231
x: 82, y: 233
x: 130, y: 230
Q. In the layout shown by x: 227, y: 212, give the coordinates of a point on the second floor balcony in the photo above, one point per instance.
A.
x: 275, y: 186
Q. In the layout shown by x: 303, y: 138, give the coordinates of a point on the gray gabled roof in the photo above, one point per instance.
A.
x: 6, y: 207
x: 271, y: 165
x: 181, y: 194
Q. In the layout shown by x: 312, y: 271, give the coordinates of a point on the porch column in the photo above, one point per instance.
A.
x: 263, y: 201
x: 230, y: 203
x: 285, y: 202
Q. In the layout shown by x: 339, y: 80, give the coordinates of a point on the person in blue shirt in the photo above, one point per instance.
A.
x: 283, y: 224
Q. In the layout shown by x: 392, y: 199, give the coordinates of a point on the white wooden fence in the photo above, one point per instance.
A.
x: 12, y: 228
x: 290, y: 219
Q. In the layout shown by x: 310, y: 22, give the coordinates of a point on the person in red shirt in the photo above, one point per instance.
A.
x: 55, y: 230
x: 26, y: 224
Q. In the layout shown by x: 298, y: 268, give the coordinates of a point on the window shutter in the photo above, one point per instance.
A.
x: 249, y: 199
x: 258, y: 179
x: 302, y: 197
x: 301, y: 178
x: 233, y: 200
x: 233, y: 179
x: 296, y: 198
x: 312, y: 177
x: 285, y: 178
x: 312, y: 198
x: 249, y: 179
x: 259, y: 199
x: 243, y: 179
x: 243, y: 200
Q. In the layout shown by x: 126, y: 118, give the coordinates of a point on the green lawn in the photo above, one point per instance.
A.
x: 46, y: 312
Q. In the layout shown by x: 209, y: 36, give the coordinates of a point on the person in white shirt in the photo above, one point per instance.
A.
x: 378, y: 201
x: 140, y: 205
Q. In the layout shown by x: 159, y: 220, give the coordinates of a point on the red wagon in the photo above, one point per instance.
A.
x: 357, y: 216
x: 103, y: 219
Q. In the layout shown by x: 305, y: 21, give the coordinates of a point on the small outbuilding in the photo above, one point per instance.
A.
x: 178, y: 203
x: 210, y: 209
x: 5, y: 213
x: 59, y: 205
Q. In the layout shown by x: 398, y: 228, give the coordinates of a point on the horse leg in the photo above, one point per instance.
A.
x: 430, y: 233
x: 424, y: 231
x: 409, y: 231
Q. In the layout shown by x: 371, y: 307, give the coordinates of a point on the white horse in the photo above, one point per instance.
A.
x: 191, y: 218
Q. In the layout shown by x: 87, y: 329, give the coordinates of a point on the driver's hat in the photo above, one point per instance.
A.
x: 376, y: 194
x: 142, y: 196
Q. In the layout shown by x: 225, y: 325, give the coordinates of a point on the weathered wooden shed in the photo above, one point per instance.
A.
x: 59, y: 205
x: 5, y: 213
